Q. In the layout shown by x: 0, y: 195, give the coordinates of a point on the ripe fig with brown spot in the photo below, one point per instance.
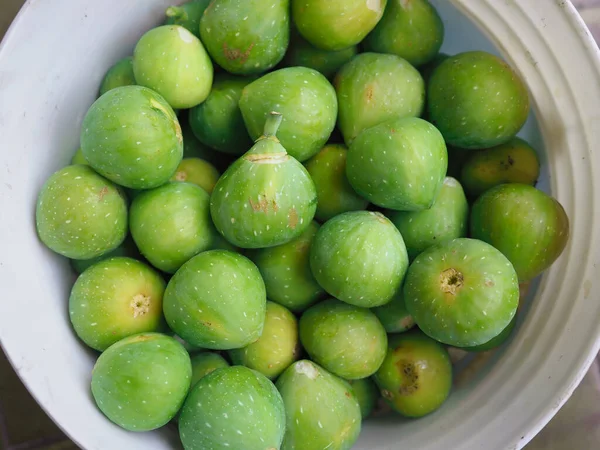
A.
x: 265, y: 198
x: 416, y: 375
x: 248, y: 37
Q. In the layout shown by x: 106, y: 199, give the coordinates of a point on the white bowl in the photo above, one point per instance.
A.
x: 51, y: 64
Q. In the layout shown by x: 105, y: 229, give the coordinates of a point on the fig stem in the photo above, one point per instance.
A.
x: 176, y: 12
x: 272, y: 124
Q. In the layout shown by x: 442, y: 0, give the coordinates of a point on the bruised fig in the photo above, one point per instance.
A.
x: 416, y: 375
x: 512, y: 162
x: 246, y: 37
x: 266, y: 197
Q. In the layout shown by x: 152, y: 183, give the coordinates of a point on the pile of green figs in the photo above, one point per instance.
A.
x: 284, y: 212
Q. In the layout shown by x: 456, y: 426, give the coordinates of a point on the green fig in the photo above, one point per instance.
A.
x: 286, y: 271
x: 373, y: 88
x: 140, y: 382
x: 394, y: 316
x: 248, y: 37
x: 366, y: 393
x: 218, y: 122
x: 173, y: 62
x: 497, y: 341
x: 416, y: 375
x: 121, y: 74
x: 514, y: 161
x: 527, y: 225
x: 307, y: 102
x: 447, y: 219
x: 302, y: 53
x: 80, y: 214
x: 131, y: 136
x: 399, y: 164
x: 477, y: 100
x: 198, y: 172
x: 336, y: 24
x: 277, y: 347
x: 266, y: 197
x: 171, y: 224
x: 334, y: 193
x: 193, y: 148
x: 321, y: 409
x: 216, y: 300
x: 187, y: 15
x: 348, y: 341
x: 462, y: 293
x: 204, y: 363
x: 411, y: 29
x: 116, y: 298
x: 360, y: 258
x: 78, y: 158
x: 232, y: 408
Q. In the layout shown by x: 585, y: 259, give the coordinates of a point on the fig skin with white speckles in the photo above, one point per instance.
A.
x: 336, y: 24
x: 286, y: 271
x: 514, y: 161
x: 399, y: 164
x: 416, y: 376
x: 116, y: 298
x: 173, y: 62
x: 187, y: 15
x: 218, y: 122
x: 233, y: 408
x: 204, y: 363
x: 321, y: 409
x: 302, y: 53
x: 448, y: 218
x: 171, y: 224
x: 346, y: 340
x: 277, y: 347
x: 217, y: 300
x: 359, y: 258
x: 197, y: 171
x: 527, y: 225
x: 141, y: 381
x: 335, y: 195
x: 120, y: 74
x: 131, y: 136
x: 80, y: 214
x: 266, y: 197
x: 394, y: 316
x: 307, y: 102
x: 476, y: 100
x: 411, y: 29
x: 462, y: 293
x: 248, y: 37
x: 373, y: 88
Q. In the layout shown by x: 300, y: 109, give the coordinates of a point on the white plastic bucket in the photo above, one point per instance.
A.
x: 51, y: 64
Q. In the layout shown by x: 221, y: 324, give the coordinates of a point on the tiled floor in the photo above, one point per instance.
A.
x: 577, y: 426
